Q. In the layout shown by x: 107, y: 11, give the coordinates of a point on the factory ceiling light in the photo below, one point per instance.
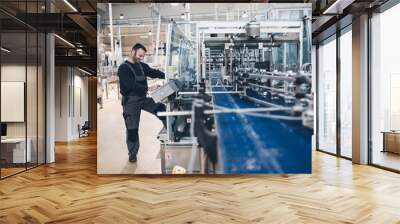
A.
x: 150, y: 33
x: 245, y: 15
x: 64, y: 40
x: 70, y: 5
x: 174, y: 4
x: 5, y: 50
x: 121, y: 16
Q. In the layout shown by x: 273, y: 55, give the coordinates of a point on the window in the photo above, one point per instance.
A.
x: 385, y: 89
x: 327, y: 96
x: 346, y: 93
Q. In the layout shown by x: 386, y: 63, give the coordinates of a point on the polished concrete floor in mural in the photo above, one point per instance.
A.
x: 112, y: 150
x: 71, y: 191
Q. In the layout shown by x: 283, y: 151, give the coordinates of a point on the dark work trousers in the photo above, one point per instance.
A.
x: 132, y: 106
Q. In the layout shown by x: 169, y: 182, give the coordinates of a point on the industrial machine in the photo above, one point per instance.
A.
x: 231, y: 88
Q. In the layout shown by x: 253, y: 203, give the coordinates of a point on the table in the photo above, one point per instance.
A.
x: 13, y: 150
x: 391, y: 141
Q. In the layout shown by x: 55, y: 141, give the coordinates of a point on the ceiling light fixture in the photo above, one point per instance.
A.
x: 70, y: 5
x: 121, y: 16
x: 335, y: 7
x: 245, y: 15
x: 150, y: 33
x: 64, y: 40
x: 5, y: 50
x: 86, y: 72
x: 174, y: 4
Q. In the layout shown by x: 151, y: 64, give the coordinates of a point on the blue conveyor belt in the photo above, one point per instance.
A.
x: 249, y: 144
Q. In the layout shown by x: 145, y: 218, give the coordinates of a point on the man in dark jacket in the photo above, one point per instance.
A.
x: 133, y: 75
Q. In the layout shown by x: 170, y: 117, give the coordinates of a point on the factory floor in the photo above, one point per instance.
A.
x: 70, y: 191
x: 112, y: 153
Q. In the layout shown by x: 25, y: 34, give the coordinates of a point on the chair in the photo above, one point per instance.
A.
x: 84, y: 130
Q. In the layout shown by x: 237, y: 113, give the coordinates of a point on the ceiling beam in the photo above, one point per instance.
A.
x: 84, y: 24
x: 81, y: 61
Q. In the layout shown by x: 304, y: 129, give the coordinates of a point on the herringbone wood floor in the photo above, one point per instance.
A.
x: 70, y: 191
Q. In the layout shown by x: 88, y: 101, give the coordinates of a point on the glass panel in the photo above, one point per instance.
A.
x: 181, y: 60
x: 41, y: 98
x: 11, y: 21
x: 32, y: 86
x: 277, y: 58
x: 327, y: 97
x: 182, y: 53
x: 292, y: 56
x: 31, y: 98
x: 385, y: 84
x: 13, y: 87
x: 346, y: 94
x: 22, y: 87
x: 307, y: 39
x: 17, y: 6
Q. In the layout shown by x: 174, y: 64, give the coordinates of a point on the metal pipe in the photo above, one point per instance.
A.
x: 187, y: 19
x: 158, y: 39
x: 269, y: 88
x: 209, y: 92
x: 120, y: 47
x: 231, y: 63
x: 220, y: 111
x: 273, y: 77
x: 111, y: 33
x: 263, y: 102
x: 225, y: 86
x: 285, y: 54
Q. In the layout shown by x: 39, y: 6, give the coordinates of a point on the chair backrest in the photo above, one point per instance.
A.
x: 86, y: 125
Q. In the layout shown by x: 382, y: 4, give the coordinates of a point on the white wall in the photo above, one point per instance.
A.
x: 61, y: 103
x: 33, y: 125
x: 71, y: 93
x: 12, y: 73
x: 80, y: 89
